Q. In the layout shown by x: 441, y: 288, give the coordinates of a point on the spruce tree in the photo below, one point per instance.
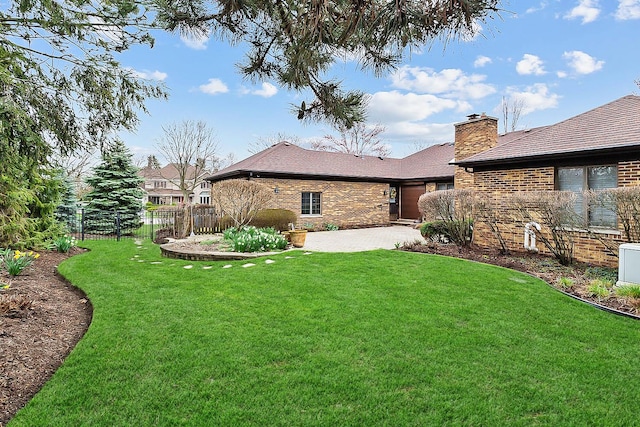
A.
x: 115, y: 193
x: 68, y: 206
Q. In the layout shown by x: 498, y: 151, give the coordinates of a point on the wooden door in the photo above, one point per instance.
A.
x: 409, y: 195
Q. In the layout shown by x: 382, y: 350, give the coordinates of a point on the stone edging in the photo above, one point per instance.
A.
x: 595, y: 304
x: 170, y: 252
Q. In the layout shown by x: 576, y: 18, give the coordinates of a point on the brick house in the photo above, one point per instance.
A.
x: 344, y: 189
x: 597, y: 149
x: 161, y: 186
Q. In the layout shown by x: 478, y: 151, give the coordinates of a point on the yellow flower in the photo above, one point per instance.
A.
x: 36, y: 256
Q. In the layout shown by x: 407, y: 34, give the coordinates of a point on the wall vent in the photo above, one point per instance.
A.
x: 629, y: 264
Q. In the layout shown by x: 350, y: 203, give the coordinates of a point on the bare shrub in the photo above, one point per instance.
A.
x: 240, y: 199
x: 555, y: 212
x: 625, y: 201
x: 454, y: 208
x: 487, y: 212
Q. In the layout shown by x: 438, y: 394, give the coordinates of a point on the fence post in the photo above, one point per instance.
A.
x: 82, y: 223
x: 118, y: 226
x: 152, y: 223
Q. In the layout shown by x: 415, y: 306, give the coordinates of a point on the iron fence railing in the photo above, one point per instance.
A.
x: 173, y: 222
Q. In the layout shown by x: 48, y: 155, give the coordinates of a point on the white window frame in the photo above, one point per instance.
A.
x: 315, y: 209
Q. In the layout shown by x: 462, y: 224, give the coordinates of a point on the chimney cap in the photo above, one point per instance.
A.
x: 473, y: 116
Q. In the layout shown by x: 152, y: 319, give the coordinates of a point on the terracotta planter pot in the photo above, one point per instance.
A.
x: 285, y: 234
x: 298, y: 237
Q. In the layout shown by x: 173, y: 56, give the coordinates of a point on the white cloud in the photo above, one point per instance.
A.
x: 214, y: 87
x: 481, y: 61
x: 535, y: 9
x: 386, y: 107
x: 536, y: 97
x: 267, y: 90
x: 581, y: 62
x: 628, y: 9
x: 149, y: 75
x: 587, y: 10
x: 418, y: 131
x: 195, y: 41
x: 469, y: 35
x: 562, y: 74
x: 530, y: 64
x: 109, y: 33
x: 449, y: 82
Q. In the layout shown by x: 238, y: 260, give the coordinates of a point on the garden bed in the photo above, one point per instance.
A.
x: 206, y: 248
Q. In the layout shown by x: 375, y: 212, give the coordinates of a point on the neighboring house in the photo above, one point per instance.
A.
x: 596, y: 149
x: 161, y: 186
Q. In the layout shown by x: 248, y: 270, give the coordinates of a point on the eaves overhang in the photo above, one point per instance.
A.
x: 630, y: 152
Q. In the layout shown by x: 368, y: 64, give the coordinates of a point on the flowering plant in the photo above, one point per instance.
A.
x: 63, y: 243
x: 17, y: 261
x: 252, y: 239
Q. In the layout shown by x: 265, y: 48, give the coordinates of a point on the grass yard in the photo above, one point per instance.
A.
x: 375, y: 338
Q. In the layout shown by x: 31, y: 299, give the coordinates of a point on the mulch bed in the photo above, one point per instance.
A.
x: 43, y: 319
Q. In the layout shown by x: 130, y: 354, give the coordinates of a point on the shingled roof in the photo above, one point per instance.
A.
x: 285, y: 159
x: 613, y: 127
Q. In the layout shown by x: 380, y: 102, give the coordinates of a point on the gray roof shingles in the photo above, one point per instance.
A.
x: 615, y: 125
x: 288, y: 159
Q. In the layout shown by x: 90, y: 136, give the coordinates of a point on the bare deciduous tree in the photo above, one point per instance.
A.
x: 240, y: 199
x: 359, y: 140
x: 511, y: 112
x: 191, y: 147
x: 77, y: 167
x: 264, y: 142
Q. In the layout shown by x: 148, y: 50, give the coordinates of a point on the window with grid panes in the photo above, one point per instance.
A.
x: 581, y: 178
x: 310, y: 203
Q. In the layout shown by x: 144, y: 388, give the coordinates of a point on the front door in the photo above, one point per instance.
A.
x: 409, y: 195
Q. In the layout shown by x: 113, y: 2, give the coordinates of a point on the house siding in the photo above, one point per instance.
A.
x: 345, y: 204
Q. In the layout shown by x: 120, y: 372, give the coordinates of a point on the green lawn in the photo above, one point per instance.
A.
x: 376, y: 338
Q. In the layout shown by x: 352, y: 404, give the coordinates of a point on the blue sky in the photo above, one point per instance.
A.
x: 561, y: 58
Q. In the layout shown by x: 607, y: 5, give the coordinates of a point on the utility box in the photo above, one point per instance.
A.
x: 629, y: 264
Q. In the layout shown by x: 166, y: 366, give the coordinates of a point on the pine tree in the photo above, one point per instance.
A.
x: 115, y: 190
x: 68, y: 206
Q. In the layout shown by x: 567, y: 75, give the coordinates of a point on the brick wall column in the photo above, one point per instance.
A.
x: 474, y: 136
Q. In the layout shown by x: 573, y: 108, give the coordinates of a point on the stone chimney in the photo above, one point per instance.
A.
x: 479, y: 133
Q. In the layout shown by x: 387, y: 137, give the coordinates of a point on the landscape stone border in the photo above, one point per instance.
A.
x: 169, y: 250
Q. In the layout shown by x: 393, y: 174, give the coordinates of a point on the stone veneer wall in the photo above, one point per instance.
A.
x: 345, y: 204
